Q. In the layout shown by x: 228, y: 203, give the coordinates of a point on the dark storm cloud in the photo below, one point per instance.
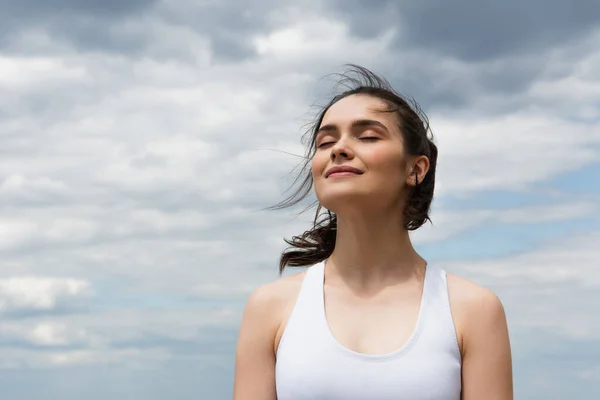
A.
x: 228, y: 24
x: 91, y: 25
x: 16, y: 16
x: 85, y: 24
x: 473, y: 29
x: 499, y: 48
x: 24, y: 10
x: 436, y: 87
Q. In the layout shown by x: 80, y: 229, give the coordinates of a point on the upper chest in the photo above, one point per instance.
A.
x: 376, y: 323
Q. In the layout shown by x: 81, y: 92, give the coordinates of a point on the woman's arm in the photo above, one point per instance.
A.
x: 485, y: 346
x: 255, y: 356
x: 487, y: 361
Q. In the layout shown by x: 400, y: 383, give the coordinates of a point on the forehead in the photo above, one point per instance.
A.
x: 358, y: 106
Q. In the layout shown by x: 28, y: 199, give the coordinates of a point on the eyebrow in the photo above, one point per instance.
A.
x: 359, y: 123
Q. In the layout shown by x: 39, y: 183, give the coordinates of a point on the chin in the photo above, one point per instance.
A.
x: 336, y: 199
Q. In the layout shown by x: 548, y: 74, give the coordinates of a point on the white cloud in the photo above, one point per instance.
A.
x: 30, y: 72
x: 511, y: 152
x: 591, y: 374
x: 131, y: 338
x: 121, y: 358
x: 48, y: 333
x: 318, y: 38
x: 553, y: 287
x: 450, y: 222
x: 548, y: 213
x: 578, y: 91
x: 105, y: 356
x: 39, y: 293
x: 565, y: 260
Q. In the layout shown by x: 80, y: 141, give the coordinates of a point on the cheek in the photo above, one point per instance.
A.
x: 314, y: 169
x: 318, y: 163
x: 382, y: 159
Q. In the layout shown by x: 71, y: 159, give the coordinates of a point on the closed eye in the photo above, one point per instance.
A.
x: 369, y: 138
x: 325, y: 144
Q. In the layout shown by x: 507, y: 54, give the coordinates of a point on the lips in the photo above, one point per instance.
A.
x: 342, y: 170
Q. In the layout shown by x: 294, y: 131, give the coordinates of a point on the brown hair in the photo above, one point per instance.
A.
x: 317, y: 243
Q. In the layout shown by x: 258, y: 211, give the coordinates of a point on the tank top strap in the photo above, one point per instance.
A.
x: 440, y: 322
x: 311, y: 293
x: 305, y: 318
x: 437, y: 287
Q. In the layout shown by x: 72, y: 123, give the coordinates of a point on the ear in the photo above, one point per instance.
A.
x: 417, y: 169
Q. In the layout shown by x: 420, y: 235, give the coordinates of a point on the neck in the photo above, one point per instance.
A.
x: 374, y: 249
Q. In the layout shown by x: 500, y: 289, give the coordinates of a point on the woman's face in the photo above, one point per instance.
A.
x: 355, y: 134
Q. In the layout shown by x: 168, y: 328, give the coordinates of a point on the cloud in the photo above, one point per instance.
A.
x: 550, y: 288
x: 14, y: 359
x: 305, y: 39
x: 71, y: 21
x: 32, y: 9
x: 133, y: 336
x: 449, y: 222
x: 47, y: 334
x: 473, y: 30
x: 164, y: 30
x: 592, y: 374
x: 26, y: 293
x: 526, y: 148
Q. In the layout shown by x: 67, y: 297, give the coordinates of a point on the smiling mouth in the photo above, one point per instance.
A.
x: 341, y: 174
x: 342, y: 171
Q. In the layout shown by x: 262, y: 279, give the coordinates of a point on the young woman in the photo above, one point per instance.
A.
x: 370, y: 318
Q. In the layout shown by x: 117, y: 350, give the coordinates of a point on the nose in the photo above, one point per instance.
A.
x: 341, y: 150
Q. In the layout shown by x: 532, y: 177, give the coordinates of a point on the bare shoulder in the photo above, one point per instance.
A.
x: 275, y: 295
x: 270, y: 305
x: 256, y: 351
x: 465, y: 293
x: 474, y: 307
x: 484, y: 341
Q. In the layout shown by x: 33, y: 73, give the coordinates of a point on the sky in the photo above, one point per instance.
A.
x: 141, y: 140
